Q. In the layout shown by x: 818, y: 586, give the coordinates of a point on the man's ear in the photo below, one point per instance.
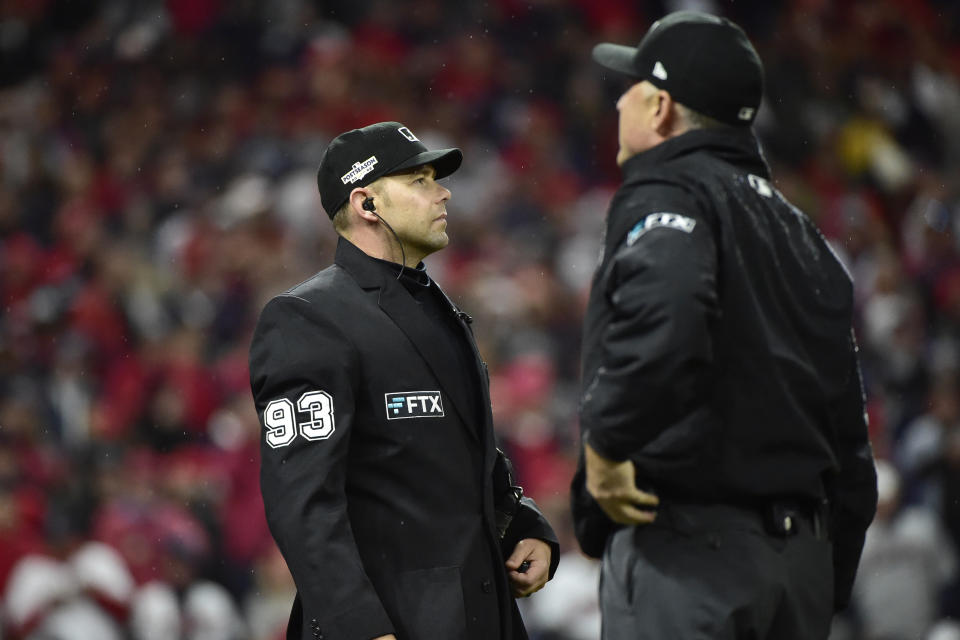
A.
x: 665, y: 119
x: 357, y: 196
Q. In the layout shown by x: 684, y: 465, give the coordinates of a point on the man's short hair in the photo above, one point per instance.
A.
x: 341, y: 219
x: 697, y: 120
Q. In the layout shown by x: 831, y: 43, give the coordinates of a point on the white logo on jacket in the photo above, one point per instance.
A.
x: 413, y: 404
x: 282, y: 426
x: 660, y: 219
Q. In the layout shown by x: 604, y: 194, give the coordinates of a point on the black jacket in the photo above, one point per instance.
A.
x: 376, y: 480
x: 718, y: 347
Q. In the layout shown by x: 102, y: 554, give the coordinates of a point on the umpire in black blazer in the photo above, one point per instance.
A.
x: 383, y: 486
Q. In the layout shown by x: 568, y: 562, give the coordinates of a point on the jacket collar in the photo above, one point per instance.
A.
x: 364, y: 269
x: 400, y: 306
x: 736, y: 146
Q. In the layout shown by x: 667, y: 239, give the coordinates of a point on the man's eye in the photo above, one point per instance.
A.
x: 421, y: 180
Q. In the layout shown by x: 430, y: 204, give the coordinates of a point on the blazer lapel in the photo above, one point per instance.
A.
x: 489, y: 441
x: 397, y: 303
x: 400, y: 306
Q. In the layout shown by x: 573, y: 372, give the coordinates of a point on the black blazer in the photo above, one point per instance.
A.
x: 377, y: 486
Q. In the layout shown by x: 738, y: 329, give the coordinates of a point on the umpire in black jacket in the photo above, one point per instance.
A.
x: 727, y: 479
x: 383, y: 486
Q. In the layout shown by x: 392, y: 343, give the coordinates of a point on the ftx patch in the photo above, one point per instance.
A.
x: 414, y: 404
x: 661, y: 219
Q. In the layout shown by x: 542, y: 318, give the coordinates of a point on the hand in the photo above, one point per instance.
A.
x: 537, y: 553
x: 613, y: 485
x: 389, y: 636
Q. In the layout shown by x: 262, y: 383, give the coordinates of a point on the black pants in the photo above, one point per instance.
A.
x: 714, y: 572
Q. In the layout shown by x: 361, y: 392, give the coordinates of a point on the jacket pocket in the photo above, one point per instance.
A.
x: 431, y: 604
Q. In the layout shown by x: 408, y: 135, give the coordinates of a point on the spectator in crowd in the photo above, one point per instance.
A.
x: 907, y: 560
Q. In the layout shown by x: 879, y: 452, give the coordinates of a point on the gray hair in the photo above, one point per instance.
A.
x: 696, y: 120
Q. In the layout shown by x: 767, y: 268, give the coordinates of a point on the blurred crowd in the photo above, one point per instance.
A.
x: 158, y: 184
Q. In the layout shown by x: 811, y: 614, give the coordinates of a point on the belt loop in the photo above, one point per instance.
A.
x: 824, y: 523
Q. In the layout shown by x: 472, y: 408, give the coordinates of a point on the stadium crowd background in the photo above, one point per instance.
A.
x: 157, y: 186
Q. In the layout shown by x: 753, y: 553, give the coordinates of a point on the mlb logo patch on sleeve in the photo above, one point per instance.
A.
x: 660, y: 219
x: 413, y: 404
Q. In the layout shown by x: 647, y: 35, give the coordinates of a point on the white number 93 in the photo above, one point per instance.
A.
x: 279, y: 417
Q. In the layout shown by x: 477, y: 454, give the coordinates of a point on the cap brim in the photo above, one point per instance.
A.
x: 616, y: 57
x: 443, y: 161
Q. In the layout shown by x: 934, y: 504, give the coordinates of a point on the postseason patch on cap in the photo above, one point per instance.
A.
x: 359, y: 170
x: 413, y: 404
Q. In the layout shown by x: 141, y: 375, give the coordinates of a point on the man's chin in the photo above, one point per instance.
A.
x: 435, y: 243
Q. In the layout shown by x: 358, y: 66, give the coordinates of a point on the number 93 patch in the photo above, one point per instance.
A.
x: 280, y: 418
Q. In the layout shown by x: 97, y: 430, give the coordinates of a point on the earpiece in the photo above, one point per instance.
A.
x: 368, y: 206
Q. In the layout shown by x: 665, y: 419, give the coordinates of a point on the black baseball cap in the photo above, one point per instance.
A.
x: 704, y: 62
x: 360, y: 156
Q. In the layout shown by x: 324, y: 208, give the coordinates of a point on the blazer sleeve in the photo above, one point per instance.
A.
x: 303, y: 373
x: 852, y: 491
x: 529, y: 522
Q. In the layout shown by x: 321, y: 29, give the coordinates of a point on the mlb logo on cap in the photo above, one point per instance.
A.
x: 406, y: 133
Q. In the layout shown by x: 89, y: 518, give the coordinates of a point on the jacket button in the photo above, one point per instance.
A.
x: 487, y: 586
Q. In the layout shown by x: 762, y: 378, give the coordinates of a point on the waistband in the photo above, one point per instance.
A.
x: 781, y: 517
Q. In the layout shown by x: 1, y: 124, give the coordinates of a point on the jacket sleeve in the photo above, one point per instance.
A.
x: 591, y: 526
x: 657, y: 346
x: 302, y: 373
x: 852, y: 492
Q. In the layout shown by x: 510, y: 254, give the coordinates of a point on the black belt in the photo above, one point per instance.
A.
x: 781, y: 517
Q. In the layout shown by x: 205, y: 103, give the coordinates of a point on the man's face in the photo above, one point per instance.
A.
x: 415, y: 205
x: 637, y: 107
